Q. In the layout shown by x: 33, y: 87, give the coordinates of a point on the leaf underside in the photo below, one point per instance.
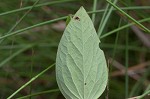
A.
x: 81, y: 70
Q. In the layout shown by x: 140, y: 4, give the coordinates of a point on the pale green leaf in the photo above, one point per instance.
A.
x: 81, y: 69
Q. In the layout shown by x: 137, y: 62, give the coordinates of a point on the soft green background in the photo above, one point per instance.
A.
x: 20, y: 60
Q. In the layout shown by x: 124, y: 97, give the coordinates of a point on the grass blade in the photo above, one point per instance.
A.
x: 126, y: 66
x: 38, y: 5
x: 33, y: 26
x: 94, y: 9
x: 62, y: 18
x: 39, y: 93
x: 14, y: 55
x: 105, y: 18
x: 142, y: 26
x: 34, y: 78
x: 123, y: 27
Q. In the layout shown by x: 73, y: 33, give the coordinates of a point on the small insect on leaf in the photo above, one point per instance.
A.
x: 81, y: 70
x: 77, y: 18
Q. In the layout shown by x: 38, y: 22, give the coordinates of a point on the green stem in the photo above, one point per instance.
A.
x: 22, y: 17
x: 46, y: 22
x: 123, y: 8
x: 33, y: 26
x: 34, y: 78
x: 143, y: 95
x: 14, y: 55
x: 38, y: 5
x: 126, y: 65
x: 123, y: 27
x: 39, y: 93
x: 105, y: 19
x: 142, y: 26
x: 94, y: 9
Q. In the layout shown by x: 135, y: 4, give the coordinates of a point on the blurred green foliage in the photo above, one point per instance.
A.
x: 43, y: 41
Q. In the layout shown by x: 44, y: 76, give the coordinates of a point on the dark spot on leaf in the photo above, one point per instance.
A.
x: 84, y: 83
x: 77, y: 18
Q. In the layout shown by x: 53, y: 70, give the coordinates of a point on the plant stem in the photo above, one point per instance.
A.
x: 39, y: 93
x: 123, y: 27
x: 94, y: 9
x: 34, y: 78
x: 33, y: 26
x: 142, y: 26
x: 38, y: 5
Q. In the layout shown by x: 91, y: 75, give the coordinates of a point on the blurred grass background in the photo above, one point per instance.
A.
x: 25, y: 54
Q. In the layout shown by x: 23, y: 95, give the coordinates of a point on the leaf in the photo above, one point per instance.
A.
x: 81, y: 70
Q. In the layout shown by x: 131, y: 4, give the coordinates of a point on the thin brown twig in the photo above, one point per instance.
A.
x: 136, y: 68
x: 130, y: 73
x: 145, y: 40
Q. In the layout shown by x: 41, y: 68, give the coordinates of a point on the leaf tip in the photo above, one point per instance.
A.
x: 81, y: 8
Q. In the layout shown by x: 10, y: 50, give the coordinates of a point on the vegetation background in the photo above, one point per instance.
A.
x: 30, y: 31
